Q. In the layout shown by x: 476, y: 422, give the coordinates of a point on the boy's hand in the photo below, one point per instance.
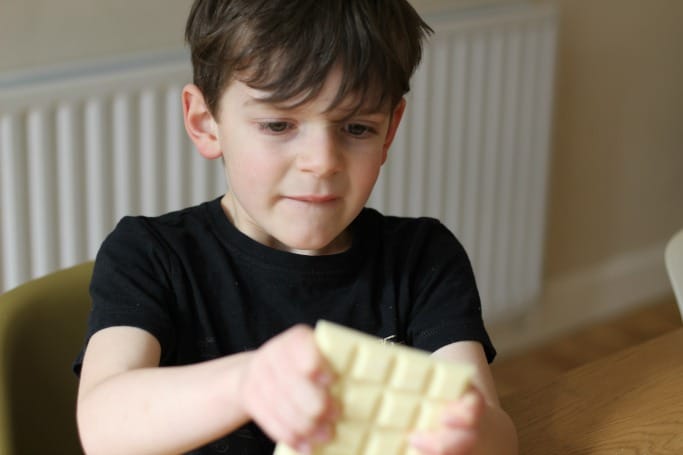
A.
x: 285, y: 389
x: 459, y: 429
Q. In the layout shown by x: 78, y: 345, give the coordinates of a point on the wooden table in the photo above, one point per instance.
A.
x: 629, y: 403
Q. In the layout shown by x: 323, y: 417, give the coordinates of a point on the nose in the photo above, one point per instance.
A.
x: 321, y: 154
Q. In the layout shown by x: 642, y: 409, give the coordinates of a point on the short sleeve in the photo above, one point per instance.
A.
x: 446, y: 306
x: 130, y: 285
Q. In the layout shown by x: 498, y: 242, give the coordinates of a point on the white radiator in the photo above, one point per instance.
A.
x: 79, y: 148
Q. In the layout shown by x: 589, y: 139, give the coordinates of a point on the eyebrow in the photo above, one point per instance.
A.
x: 345, y: 113
x: 262, y: 102
x: 251, y: 101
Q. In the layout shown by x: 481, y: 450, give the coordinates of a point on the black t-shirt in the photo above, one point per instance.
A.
x: 206, y: 290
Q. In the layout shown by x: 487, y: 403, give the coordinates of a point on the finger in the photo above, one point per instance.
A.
x: 444, y: 441
x: 307, y: 376
x: 465, y: 412
x: 267, y: 397
x: 307, y: 357
x: 306, y: 404
x: 279, y: 430
x: 296, y: 430
x: 285, y: 422
x: 291, y: 389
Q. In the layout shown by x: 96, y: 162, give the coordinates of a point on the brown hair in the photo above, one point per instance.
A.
x: 288, y: 47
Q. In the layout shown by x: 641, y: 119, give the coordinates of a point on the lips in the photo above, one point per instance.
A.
x: 314, y: 198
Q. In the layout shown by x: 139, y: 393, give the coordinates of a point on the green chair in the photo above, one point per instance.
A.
x: 42, y: 324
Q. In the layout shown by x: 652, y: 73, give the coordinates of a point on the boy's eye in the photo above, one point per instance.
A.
x: 274, y: 127
x: 356, y: 129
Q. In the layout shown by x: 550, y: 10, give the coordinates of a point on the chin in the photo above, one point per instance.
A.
x: 312, y: 246
x: 309, y: 248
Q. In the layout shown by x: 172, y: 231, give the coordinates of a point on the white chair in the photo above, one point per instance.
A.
x: 673, y: 256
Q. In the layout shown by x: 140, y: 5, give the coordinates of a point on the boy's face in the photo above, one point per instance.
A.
x: 297, y: 177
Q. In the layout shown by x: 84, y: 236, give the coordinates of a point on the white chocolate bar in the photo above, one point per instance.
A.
x: 385, y: 391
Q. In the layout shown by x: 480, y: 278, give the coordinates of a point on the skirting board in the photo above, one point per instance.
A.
x: 590, y: 295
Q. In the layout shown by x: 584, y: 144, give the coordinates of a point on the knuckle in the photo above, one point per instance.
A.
x: 300, y: 332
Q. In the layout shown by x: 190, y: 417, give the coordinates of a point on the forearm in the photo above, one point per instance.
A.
x: 163, y: 410
x: 497, y: 435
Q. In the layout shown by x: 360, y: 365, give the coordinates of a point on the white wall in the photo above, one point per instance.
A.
x: 53, y: 32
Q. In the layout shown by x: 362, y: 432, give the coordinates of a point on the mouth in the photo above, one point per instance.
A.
x: 314, y: 198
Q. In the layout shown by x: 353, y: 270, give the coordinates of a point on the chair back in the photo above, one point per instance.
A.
x: 673, y: 257
x: 42, y: 327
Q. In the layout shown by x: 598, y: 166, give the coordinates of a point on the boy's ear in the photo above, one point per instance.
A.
x: 394, y: 122
x: 199, y: 123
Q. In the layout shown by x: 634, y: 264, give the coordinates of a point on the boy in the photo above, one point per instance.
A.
x: 301, y: 99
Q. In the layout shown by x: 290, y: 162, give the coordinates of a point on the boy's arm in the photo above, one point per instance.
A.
x: 127, y: 404
x: 475, y: 424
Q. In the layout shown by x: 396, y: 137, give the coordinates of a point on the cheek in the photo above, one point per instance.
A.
x: 366, y: 174
x: 253, y: 170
